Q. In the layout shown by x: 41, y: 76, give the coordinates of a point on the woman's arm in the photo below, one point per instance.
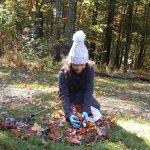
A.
x: 89, y: 91
x: 64, y: 94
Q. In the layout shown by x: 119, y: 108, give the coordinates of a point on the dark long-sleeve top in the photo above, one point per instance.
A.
x: 83, y: 82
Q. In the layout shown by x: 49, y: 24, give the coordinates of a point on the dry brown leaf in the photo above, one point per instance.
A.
x: 53, y: 126
x: 102, y: 132
x: 14, y: 132
x: 56, y: 114
x: 52, y: 136
x: 13, y: 105
x: 73, y: 140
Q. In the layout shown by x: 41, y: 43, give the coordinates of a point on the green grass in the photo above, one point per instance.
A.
x: 121, y: 136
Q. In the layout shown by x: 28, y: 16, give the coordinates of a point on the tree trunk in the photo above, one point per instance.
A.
x: 58, y: 28
x: 118, y: 49
x: 58, y: 19
x: 144, y: 34
x: 108, y: 33
x: 128, y: 36
x: 92, y: 44
x: 39, y: 19
x: 64, y: 17
x: 70, y: 24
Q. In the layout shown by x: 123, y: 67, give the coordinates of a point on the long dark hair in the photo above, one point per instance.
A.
x: 74, y: 81
x: 68, y: 68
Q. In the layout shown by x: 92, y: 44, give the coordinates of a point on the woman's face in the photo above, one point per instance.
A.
x: 78, y: 67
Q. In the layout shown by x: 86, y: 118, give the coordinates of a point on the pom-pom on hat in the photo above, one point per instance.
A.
x: 78, y: 53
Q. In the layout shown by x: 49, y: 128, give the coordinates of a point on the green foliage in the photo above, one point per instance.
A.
x: 48, y: 63
x: 20, y: 20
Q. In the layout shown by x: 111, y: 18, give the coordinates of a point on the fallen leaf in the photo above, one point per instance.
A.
x: 54, y: 126
x: 36, y: 127
x: 102, y: 132
x: 14, y: 132
x: 73, y: 140
x: 13, y: 105
x: 57, y: 133
x: 30, y: 132
x: 89, y: 124
x: 56, y: 114
x: 52, y: 136
x: 81, y: 131
x: 71, y: 131
x: 1, y: 125
x: 88, y: 138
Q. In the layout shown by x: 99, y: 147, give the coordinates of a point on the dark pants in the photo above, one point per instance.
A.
x: 78, y: 98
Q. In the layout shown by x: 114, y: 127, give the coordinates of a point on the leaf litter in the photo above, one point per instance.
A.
x: 53, y: 126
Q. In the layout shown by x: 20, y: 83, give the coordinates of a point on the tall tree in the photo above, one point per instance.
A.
x: 39, y: 19
x: 94, y: 23
x: 70, y: 24
x: 128, y: 36
x: 118, y: 43
x: 143, y: 37
x: 58, y: 18
x: 108, y: 33
x: 58, y: 4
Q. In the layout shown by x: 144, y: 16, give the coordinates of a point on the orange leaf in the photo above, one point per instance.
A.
x: 89, y: 124
x: 56, y: 114
x: 14, y: 132
x: 81, y: 131
x: 57, y: 133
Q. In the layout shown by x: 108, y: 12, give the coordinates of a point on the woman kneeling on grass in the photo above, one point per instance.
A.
x: 76, y: 81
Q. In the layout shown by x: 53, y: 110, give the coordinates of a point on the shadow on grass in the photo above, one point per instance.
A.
x: 123, y: 90
x: 119, y: 86
x: 130, y: 140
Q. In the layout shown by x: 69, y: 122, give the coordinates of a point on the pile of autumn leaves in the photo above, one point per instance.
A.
x: 53, y: 126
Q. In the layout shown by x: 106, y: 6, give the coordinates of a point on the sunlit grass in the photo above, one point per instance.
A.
x: 142, y: 130
x: 34, y: 86
x: 4, y: 74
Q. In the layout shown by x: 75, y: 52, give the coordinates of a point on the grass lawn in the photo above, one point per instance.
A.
x: 128, y: 102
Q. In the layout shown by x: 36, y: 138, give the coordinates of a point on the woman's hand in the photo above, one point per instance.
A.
x: 85, y: 115
x: 75, y: 123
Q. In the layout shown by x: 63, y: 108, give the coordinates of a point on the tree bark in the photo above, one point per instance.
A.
x: 58, y: 18
x: 58, y: 28
x: 128, y: 36
x: 70, y: 24
x: 92, y: 44
x: 143, y: 39
x: 108, y: 33
x: 118, y: 49
x: 39, y: 19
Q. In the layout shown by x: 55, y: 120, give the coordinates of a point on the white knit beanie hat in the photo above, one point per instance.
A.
x: 78, y: 53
